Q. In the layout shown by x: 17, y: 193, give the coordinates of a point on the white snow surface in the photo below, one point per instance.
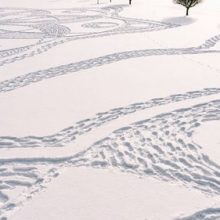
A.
x: 109, y: 111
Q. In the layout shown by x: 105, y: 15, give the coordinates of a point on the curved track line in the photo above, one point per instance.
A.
x: 206, y: 214
x: 70, y: 134
x: 27, y: 79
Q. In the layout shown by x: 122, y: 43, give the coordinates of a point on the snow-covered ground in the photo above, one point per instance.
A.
x: 109, y: 111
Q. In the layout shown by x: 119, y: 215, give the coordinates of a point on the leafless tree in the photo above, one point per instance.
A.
x: 187, y: 4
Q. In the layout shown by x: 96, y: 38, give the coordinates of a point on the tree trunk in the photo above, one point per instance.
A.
x: 187, y: 11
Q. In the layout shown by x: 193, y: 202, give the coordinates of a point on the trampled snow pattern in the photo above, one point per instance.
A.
x: 161, y: 146
x: 49, y: 28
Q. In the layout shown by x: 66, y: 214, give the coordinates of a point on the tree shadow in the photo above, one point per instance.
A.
x: 179, y: 20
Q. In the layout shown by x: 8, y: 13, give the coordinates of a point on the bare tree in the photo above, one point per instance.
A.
x: 187, y: 4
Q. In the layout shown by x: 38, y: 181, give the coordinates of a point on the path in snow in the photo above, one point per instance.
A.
x: 160, y: 146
